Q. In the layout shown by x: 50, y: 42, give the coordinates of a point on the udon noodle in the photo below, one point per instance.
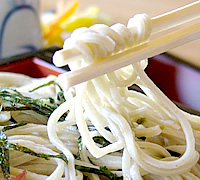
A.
x: 127, y: 133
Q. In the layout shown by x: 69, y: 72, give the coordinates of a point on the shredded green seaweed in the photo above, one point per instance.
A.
x: 4, y: 155
x: 141, y: 120
x: 12, y: 126
x: 46, y: 84
x: 101, y: 140
x: 80, y: 145
x: 4, y: 150
x: 18, y: 102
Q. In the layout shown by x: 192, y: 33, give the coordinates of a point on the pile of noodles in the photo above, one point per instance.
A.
x: 148, y: 136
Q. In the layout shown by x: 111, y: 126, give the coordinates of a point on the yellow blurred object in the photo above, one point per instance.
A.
x: 52, y: 30
x: 55, y: 31
x: 86, y: 18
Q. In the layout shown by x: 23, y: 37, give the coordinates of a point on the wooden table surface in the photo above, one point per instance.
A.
x: 122, y: 10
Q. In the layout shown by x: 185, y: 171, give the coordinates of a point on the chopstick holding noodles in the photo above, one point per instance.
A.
x: 100, y: 49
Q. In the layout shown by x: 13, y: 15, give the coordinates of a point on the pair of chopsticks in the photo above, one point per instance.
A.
x: 148, y: 49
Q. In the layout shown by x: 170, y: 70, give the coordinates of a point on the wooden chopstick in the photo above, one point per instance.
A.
x: 145, y: 50
x: 176, y: 17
